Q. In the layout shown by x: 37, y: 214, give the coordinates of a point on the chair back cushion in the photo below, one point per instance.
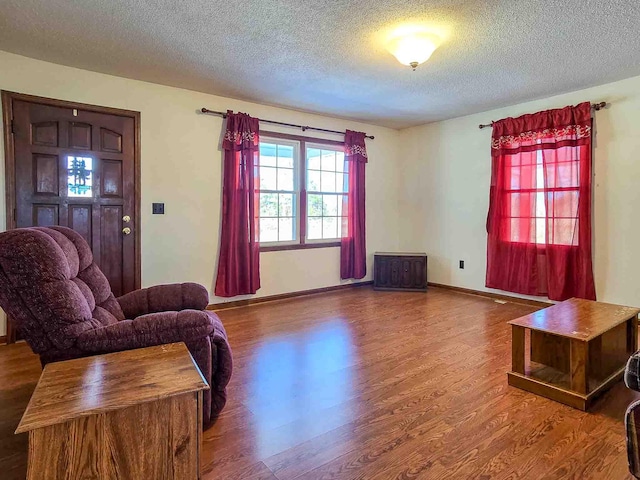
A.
x: 52, y: 288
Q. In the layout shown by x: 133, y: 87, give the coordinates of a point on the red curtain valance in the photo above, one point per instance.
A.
x: 551, y: 129
x: 355, y: 149
x: 241, y: 133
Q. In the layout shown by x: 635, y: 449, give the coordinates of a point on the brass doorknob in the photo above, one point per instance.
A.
x: 126, y: 219
x: 126, y: 230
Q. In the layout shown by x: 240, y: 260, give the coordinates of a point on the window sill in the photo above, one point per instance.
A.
x: 299, y: 246
x: 540, y: 247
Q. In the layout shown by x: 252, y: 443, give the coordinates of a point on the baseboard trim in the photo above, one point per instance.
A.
x: 285, y: 296
x: 315, y: 291
x: 494, y: 296
x: 3, y: 339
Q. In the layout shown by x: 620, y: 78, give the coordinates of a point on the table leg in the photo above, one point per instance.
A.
x: 517, y: 349
x: 599, y: 370
x: 579, y: 366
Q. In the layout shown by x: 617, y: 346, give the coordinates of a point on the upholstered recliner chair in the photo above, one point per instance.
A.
x: 63, y: 307
x: 632, y: 417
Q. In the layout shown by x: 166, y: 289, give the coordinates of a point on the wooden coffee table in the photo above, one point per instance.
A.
x: 576, y: 350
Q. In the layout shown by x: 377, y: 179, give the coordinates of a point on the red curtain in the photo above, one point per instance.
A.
x: 353, y: 249
x: 539, y: 221
x: 239, y: 258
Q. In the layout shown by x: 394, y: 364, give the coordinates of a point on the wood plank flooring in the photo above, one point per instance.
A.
x: 359, y: 384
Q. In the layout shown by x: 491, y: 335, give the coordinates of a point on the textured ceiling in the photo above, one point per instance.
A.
x: 327, y: 56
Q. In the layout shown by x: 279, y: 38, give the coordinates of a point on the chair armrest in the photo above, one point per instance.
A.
x: 147, y: 331
x: 632, y: 427
x: 164, y: 298
x: 632, y: 372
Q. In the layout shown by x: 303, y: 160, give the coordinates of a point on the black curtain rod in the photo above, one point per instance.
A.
x: 283, y: 124
x: 595, y: 106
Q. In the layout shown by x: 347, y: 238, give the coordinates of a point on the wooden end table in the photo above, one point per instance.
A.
x: 132, y: 414
x: 577, y: 350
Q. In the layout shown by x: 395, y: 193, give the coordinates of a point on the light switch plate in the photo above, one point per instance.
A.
x: 157, y: 208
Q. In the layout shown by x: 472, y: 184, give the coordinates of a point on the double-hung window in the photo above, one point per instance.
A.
x: 279, y: 191
x: 543, y: 213
x: 303, y: 192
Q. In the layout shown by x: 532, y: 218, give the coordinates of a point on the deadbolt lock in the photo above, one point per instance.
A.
x: 126, y: 219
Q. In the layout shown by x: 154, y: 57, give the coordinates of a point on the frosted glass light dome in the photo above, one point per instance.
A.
x: 414, y: 48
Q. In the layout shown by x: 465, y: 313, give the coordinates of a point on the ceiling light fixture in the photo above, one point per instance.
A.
x: 413, y: 48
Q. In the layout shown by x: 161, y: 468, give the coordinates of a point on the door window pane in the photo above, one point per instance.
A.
x: 79, y: 176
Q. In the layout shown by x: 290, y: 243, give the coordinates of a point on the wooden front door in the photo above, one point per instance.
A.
x: 76, y: 165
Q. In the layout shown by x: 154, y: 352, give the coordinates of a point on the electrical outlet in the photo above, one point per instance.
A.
x: 462, y: 264
x: 157, y: 208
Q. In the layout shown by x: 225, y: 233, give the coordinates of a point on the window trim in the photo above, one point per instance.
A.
x: 301, y: 243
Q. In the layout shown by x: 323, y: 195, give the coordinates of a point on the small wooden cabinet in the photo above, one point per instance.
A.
x: 134, y: 414
x: 400, y: 271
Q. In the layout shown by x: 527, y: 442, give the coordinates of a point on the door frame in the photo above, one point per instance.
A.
x: 10, y: 165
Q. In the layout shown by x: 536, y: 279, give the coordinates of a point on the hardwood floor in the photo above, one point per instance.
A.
x: 359, y: 384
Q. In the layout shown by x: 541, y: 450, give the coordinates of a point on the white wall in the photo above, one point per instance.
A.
x: 446, y: 177
x: 430, y: 182
x: 181, y: 166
